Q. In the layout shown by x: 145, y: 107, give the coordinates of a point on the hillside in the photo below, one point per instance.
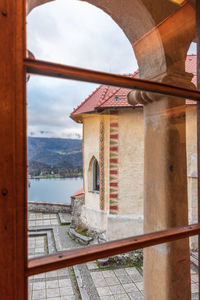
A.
x: 54, y: 156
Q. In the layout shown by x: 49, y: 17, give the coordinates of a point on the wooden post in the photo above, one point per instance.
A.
x: 13, y: 233
x: 198, y: 120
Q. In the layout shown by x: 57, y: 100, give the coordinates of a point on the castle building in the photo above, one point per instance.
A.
x: 113, y: 159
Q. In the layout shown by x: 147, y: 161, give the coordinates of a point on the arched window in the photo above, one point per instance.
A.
x: 95, y: 175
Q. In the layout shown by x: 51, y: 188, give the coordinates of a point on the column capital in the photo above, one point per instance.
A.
x: 180, y: 79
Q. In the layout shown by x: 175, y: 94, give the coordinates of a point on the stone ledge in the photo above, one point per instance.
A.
x: 53, y: 229
x: 47, y: 207
x: 79, y: 237
x: 65, y: 219
x: 51, y: 248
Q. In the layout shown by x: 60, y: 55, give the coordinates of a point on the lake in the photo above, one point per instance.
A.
x: 57, y: 190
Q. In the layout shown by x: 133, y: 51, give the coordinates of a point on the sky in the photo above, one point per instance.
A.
x: 74, y: 33
x: 78, y: 34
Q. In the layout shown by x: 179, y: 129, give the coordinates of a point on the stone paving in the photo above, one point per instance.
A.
x: 55, y: 285
x: 38, y: 219
x: 91, y: 282
x: 120, y: 284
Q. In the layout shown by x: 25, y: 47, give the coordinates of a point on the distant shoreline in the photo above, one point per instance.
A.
x: 54, y: 176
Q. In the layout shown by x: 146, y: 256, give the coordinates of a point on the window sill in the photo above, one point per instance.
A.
x: 94, y: 192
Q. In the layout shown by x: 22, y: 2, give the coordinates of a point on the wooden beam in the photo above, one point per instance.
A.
x: 13, y: 233
x: 67, y: 72
x: 83, y: 255
x: 198, y: 121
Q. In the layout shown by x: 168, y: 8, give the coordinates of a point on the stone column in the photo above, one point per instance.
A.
x: 166, y: 266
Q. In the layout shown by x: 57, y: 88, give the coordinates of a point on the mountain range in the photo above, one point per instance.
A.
x: 54, y: 156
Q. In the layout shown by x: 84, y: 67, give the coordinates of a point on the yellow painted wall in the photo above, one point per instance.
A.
x: 91, y: 126
x: 131, y: 161
x: 191, y: 134
x: 131, y: 168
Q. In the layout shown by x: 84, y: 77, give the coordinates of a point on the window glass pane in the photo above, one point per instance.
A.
x: 118, y: 39
x: 59, y: 284
x: 194, y: 267
x: 116, y: 197
x: 79, y: 34
x: 124, y: 276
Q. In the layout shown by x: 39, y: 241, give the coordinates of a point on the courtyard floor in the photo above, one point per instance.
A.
x: 48, y: 233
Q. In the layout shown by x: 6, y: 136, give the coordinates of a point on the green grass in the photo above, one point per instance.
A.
x: 84, y: 233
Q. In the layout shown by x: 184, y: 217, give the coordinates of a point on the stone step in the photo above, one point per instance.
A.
x: 194, y: 258
x: 65, y: 219
x: 79, y: 237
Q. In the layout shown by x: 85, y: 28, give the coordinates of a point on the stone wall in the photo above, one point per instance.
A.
x: 46, y: 207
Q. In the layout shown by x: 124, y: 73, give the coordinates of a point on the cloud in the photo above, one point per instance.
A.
x: 74, y: 33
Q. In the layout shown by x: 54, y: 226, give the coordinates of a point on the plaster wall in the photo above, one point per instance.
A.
x: 121, y: 226
x: 129, y: 220
x: 94, y: 219
x: 91, y: 127
x: 131, y: 161
x: 191, y: 135
x: 106, y: 120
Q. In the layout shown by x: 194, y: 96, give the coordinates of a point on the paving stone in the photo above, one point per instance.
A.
x: 124, y: 279
x: 117, y: 289
x: 136, y: 277
x: 97, y: 275
x: 108, y: 298
x: 195, y: 296
x: 109, y: 284
x: 108, y: 273
x: 39, y: 294
x: 53, y: 216
x: 130, y: 287
x: 121, y: 296
x: 46, y: 222
x: 136, y: 296
x: 54, y: 222
x: 53, y: 292
x: 120, y: 272
x: 66, y: 291
x: 112, y: 280
x: 39, y: 276
x: 140, y: 285
x: 104, y: 291
x: 38, y: 285
x: 100, y: 282
x: 46, y: 216
x: 65, y: 283
x: 92, y: 265
x: 66, y: 298
x: 31, y: 223
x: 52, y: 284
x: 195, y: 278
x: 63, y: 272
x: 194, y: 288
x: 131, y: 270
x: 38, y: 223
x: 52, y: 274
x: 39, y: 250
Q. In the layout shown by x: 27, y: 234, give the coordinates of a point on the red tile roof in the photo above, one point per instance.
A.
x: 79, y: 192
x: 108, y: 96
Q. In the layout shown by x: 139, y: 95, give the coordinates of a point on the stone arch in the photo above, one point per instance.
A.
x: 93, y: 175
x: 158, y: 54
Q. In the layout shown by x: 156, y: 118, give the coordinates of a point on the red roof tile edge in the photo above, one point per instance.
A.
x: 103, y: 101
x: 79, y: 192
